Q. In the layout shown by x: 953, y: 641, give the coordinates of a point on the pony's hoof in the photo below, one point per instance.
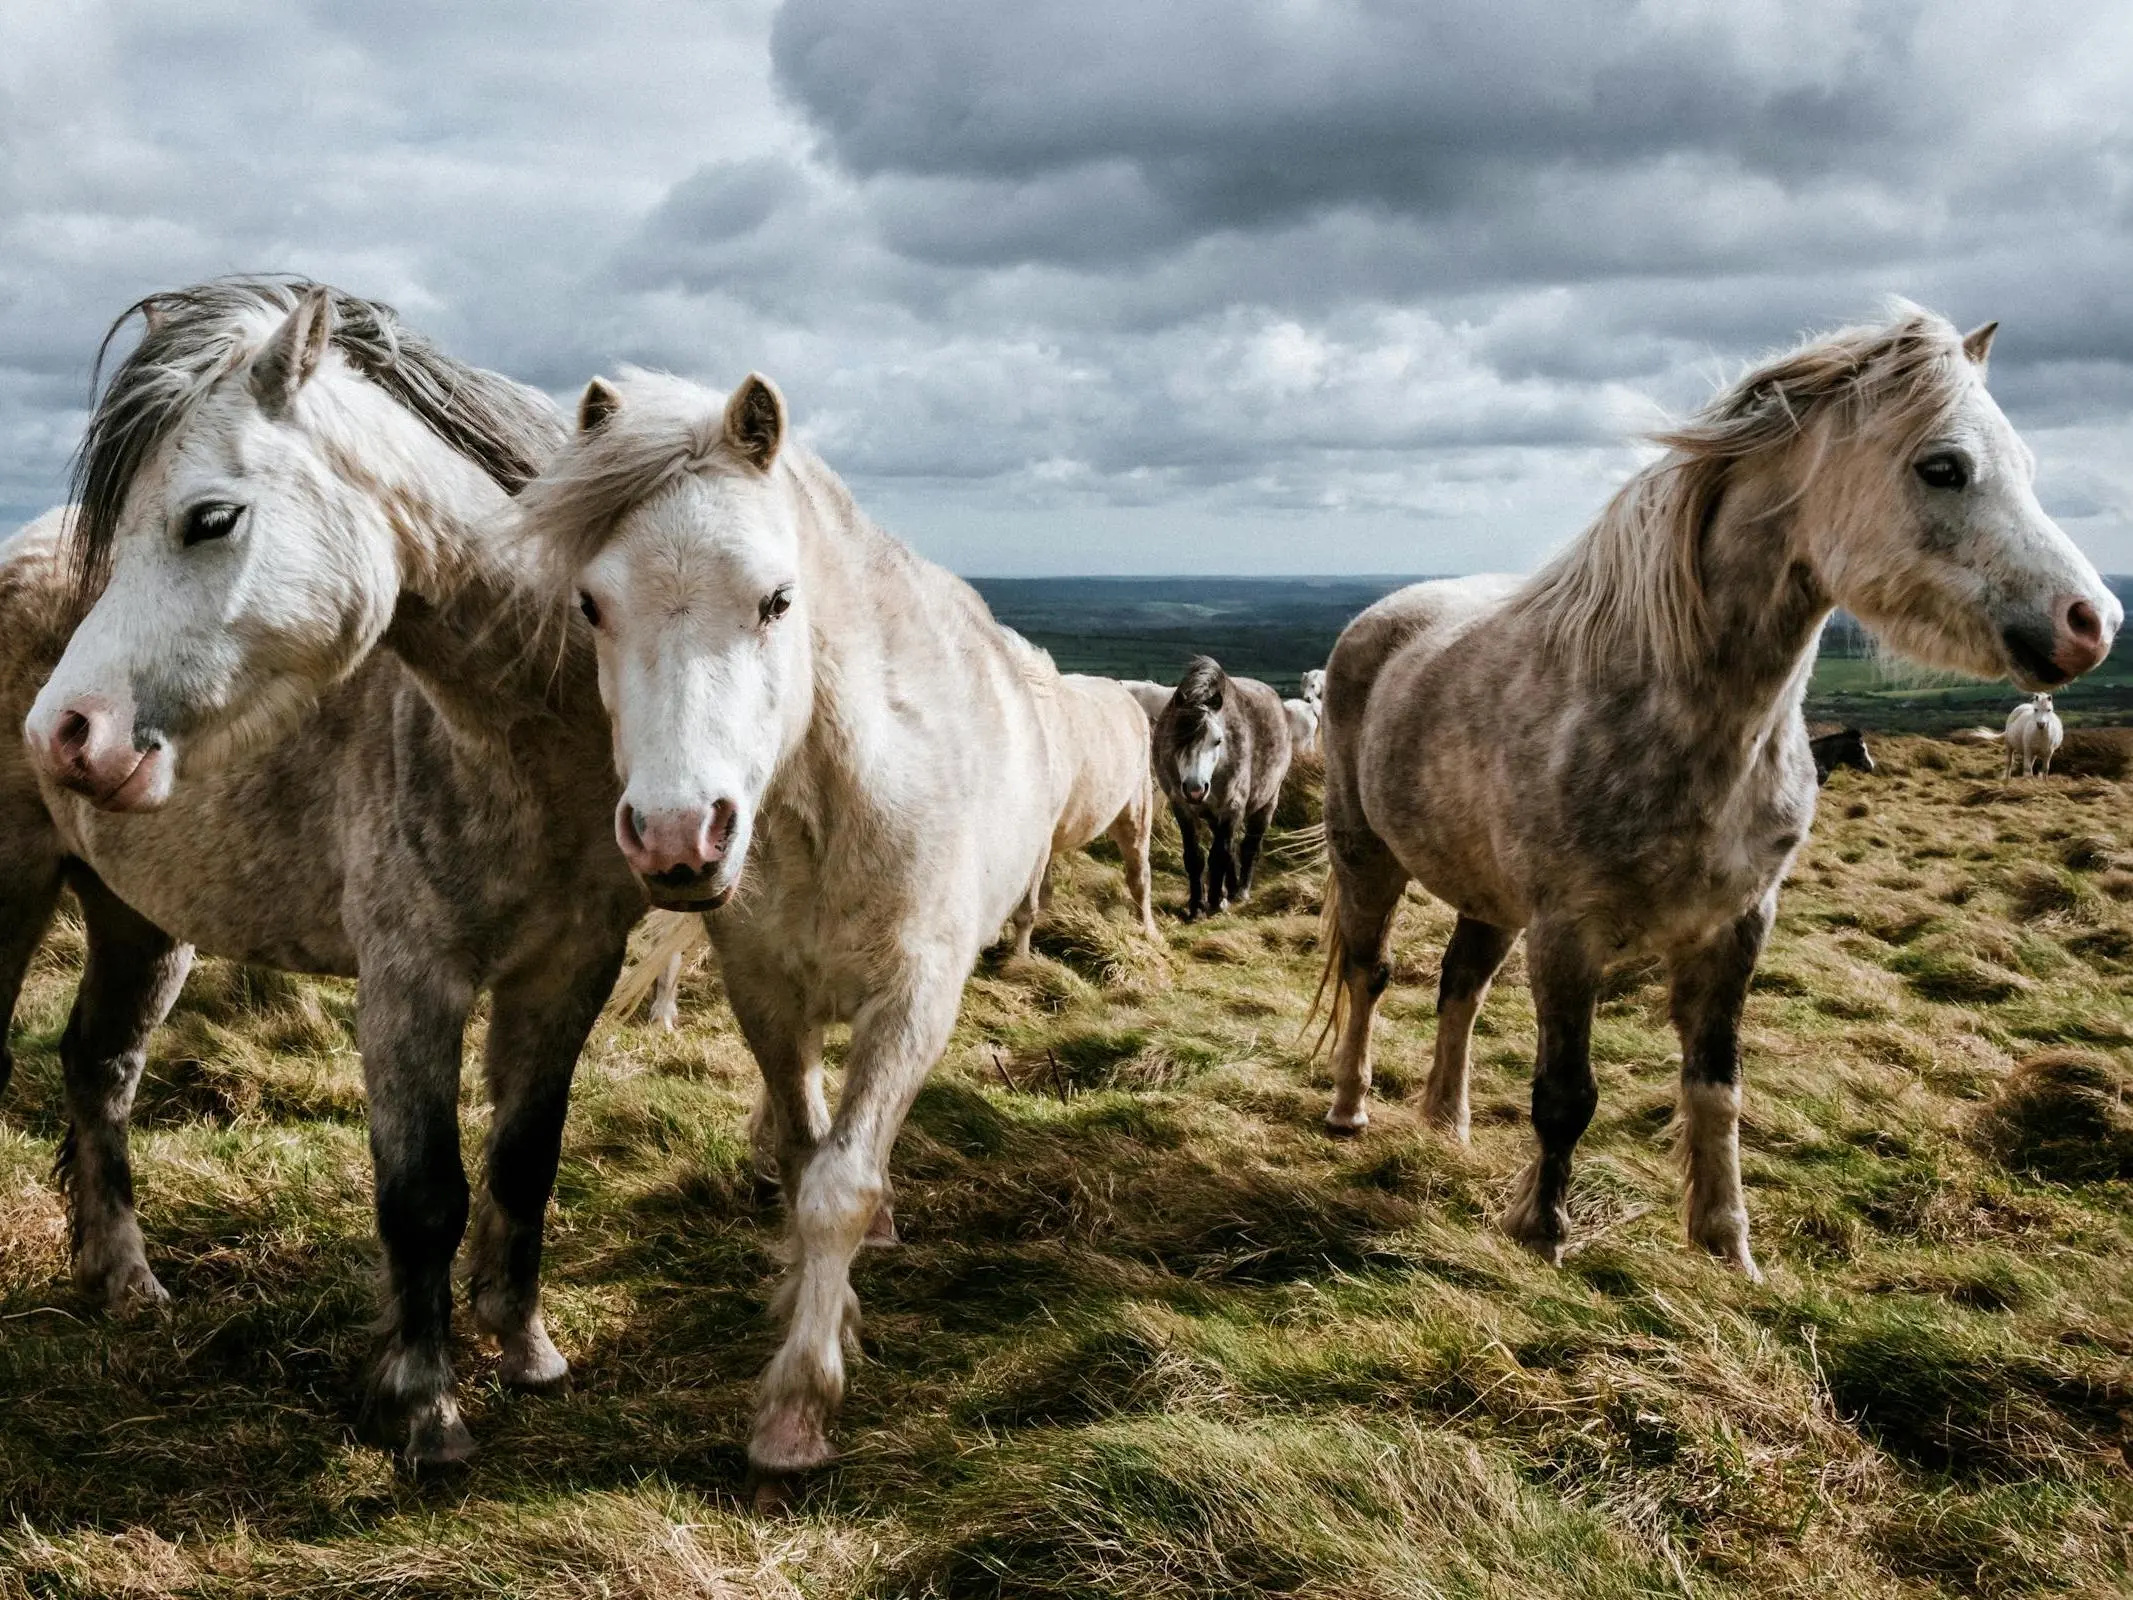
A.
x: 533, y: 1365
x: 1455, y: 1128
x: 1347, y: 1124
x: 771, y: 1494
x: 124, y: 1292
x: 438, y: 1441
x: 881, y: 1232
x: 789, y: 1438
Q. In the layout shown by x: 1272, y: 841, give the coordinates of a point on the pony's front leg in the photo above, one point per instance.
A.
x: 128, y: 985
x: 411, y: 1017
x: 664, y: 1012
x: 1195, y: 862
x: 1709, y: 988
x: 1255, y: 827
x: 1475, y: 951
x: 1221, y: 863
x: 539, y: 1020
x: 1365, y: 888
x: 1566, y: 983
x: 896, y: 1039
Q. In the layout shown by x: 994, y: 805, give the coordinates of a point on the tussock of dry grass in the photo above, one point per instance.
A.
x: 1150, y: 1333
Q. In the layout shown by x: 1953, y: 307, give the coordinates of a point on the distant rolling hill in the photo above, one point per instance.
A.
x: 1275, y: 628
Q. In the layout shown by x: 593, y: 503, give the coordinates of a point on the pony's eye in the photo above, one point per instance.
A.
x: 590, y: 607
x: 776, y: 603
x: 210, y: 519
x: 1943, y: 471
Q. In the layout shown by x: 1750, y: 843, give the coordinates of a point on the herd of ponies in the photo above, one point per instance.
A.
x: 350, y: 658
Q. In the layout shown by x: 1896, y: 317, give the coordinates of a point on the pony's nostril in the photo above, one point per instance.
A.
x: 2083, y: 623
x: 629, y: 827
x: 73, y: 733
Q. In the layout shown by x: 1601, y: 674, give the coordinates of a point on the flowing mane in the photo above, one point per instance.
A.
x: 196, y: 336
x: 1629, y: 586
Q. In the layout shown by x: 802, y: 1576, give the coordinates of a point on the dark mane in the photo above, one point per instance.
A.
x: 1201, y: 685
x: 196, y: 336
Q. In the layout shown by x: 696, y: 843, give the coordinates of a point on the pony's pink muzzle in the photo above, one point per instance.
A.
x: 88, y: 747
x: 2081, y: 636
x: 678, y: 852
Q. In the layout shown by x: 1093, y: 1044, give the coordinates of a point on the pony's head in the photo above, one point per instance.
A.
x: 260, y: 479
x: 1314, y: 685
x: 1198, y: 736
x: 1910, y: 500
x: 675, y: 515
x: 2042, y: 703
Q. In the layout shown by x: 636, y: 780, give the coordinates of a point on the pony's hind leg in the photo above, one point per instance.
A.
x: 1031, y: 903
x: 1475, y: 951
x: 1130, y: 831
x: 411, y: 1017
x: 539, y: 1022
x: 1565, y: 989
x: 129, y: 982
x: 896, y: 1038
x: 1195, y: 862
x: 665, y: 1008
x: 1365, y: 887
x: 1709, y: 988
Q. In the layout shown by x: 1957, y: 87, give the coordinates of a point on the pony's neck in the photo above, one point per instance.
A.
x: 472, y: 620
x: 1763, y: 603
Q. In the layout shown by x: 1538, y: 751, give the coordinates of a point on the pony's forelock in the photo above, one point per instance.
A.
x: 1630, y: 584
x: 1200, y: 686
x: 194, y: 337
x: 664, y: 429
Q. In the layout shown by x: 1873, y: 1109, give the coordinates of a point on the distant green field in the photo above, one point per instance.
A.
x: 1275, y: 628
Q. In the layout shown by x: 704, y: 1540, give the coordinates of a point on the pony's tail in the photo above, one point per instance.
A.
x: 1983, y: 735
x: 672, y: 933
x: 1329, y: 975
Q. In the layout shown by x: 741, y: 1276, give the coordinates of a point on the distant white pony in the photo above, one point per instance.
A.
x: 2033, y: 736
x: 1100, y: 740
x: 1303, y: 724
x: 828, y: 747
x: 1314, y: 687
x: 1152, y: 696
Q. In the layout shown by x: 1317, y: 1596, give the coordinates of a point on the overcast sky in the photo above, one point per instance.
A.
x: 1114, y: 286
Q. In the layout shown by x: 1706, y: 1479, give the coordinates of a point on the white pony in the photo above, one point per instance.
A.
x: 1100, y: 732
x: 1314, y: 687
x: 829, y: 747
x: 1303, y: 724
x: 1152, y: 696
x: 2033, y: 735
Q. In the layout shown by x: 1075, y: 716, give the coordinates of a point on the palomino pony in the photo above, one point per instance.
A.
x: 829, y: 747
x: 1101, y: 733
x: 2033, y: 734
x: 305, y: 724
x: 1611, y: 755
x: 1221, y: 752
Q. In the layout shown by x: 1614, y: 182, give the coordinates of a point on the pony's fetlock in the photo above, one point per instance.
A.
x: 1541, y: 1226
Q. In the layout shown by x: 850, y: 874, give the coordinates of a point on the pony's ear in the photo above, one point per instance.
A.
x: 597, y: 406
x: 289, y: 358
x: 755, y: 421
x: 1977, y: 343
x: 153, y: 316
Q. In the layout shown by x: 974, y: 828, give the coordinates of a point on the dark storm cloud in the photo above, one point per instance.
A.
x: 1293, y: 276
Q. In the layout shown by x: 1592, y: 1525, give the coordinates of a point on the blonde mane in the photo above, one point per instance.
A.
x: 1630, y: 585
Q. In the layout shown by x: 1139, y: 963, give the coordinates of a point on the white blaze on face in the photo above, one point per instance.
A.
x: 246, y: 579
x: 702, y: 642
x: 1198, y: 758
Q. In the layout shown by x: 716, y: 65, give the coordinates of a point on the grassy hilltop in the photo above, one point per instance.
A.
x: 1151, y: 1334
x: 1273, y: 628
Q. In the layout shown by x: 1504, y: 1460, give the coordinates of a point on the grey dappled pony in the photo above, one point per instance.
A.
x: 315, y: 718
x: 1610, y: 755
x: 1221, y: 752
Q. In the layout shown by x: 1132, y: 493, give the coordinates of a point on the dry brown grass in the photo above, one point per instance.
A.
x: 1150, y: 1333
